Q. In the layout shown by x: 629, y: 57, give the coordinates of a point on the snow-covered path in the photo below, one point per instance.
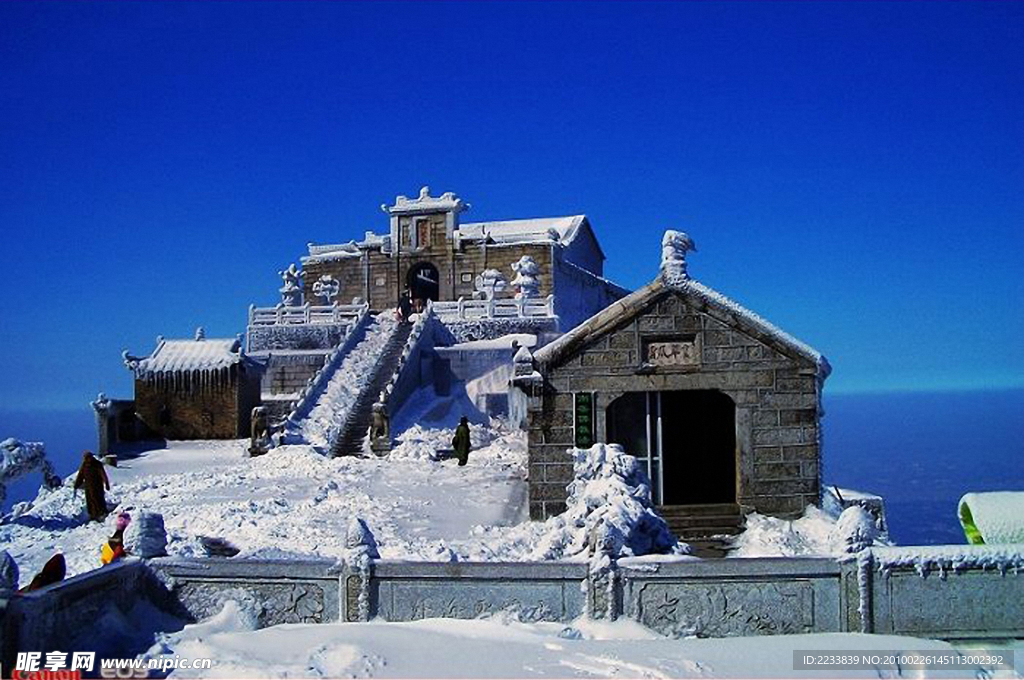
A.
x: 327, y: 417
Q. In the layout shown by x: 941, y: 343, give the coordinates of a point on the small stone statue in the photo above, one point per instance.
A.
x: 380, y: 429
x: 291, y: 291
x: 674, y: 246
x: 259, y: 440
x: 487, y: 283
x: 526, y: 281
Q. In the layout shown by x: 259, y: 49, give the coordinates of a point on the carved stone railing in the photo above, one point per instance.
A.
x: 470, y: 310
x: 944, y: 592
x: 282, y: 315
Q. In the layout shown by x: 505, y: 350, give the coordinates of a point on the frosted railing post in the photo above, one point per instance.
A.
x: 279, y: 315
x: 520, y: 307
x: 252, y: 314
x: 462, y: 308
x: 490, y: 308
x: 551, y: 305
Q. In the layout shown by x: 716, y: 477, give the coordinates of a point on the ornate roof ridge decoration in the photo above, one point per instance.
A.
x: 446, y: 202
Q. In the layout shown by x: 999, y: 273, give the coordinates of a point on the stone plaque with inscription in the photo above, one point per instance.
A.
x: 673, y: 353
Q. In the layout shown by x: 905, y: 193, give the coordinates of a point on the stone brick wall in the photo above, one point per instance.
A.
x: 380, y: 278
x: 289, y: 373
x: 217, y: 411
x: 776, y: 397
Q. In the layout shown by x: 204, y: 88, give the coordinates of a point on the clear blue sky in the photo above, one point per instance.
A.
x: 853, y: 172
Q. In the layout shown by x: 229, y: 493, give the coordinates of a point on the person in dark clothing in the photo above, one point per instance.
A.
x: 405, y: 305
x: 53, y: 572
x: 460, y: 442
x: 93, y: 478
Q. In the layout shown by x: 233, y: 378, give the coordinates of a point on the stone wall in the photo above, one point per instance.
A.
x: 380, y: 278
x: 776, y: 397
x: 950, y: 592
x: 319, y: 336
x: 88, y: 613
x: 289, y: 372
x: 219, y: 410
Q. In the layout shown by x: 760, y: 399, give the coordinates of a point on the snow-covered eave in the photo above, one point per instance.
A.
x: 608, y: 282
x: 492, y: 231
x: 755, y: 321
x: 229, y: 354
x: 632, y: 305
x: 603, y: 322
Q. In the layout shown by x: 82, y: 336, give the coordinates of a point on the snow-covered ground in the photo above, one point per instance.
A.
x: 500, y: 647
x: 291, y: 501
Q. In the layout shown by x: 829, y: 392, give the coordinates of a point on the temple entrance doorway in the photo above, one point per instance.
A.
x: 685, y: 439
x: 423, y: 283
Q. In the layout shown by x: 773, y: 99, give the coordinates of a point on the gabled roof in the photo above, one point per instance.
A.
x: 560, y: 229
x: 624, y: 310
x: 188, y: 355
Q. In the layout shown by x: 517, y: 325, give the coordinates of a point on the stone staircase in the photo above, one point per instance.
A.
x: 706, y: 528
x: 350, y: 441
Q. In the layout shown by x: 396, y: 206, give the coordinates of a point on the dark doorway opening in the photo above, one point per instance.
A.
x: 686, y: 440
x: 423, y: 282
x: 698, y: 434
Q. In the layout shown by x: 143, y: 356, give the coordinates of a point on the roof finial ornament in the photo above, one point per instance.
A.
x: 424, y: 192
x: 200, y: 333
x: 674, y: 246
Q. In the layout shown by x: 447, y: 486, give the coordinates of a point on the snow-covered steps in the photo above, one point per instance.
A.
x: 326, y: 419
x: 690, y: 522
x: 354, y: 432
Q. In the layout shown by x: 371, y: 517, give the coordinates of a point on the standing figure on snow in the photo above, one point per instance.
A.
x: 405, y: 305
x: 460, y: 442
x: 93, y: 478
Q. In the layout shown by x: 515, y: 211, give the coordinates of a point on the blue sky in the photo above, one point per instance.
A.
x: 853, y: 172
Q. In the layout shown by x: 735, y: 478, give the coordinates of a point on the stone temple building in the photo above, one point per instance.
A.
x: 720, y: 406
x: 202, y: 388
x: 431, y: 253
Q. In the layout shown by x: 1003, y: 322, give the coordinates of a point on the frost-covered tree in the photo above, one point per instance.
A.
x: 18, y: 458
x: 527, y: 281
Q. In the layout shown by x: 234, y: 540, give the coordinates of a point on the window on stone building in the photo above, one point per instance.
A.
x: 422, y: 234
x: 466, y: 277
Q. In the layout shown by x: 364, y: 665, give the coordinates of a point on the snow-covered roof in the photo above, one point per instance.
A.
x: 188, y: 355
x: 559, y: 229
x: 426, y: 203
x: 635, y: 303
